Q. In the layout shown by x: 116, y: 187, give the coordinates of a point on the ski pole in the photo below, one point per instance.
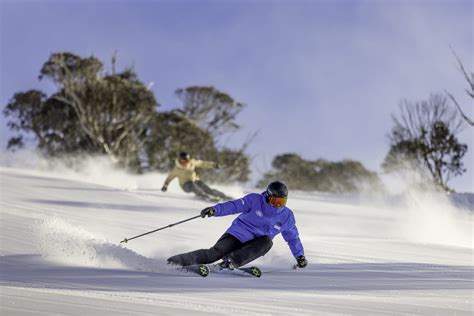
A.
x: 170, y: 225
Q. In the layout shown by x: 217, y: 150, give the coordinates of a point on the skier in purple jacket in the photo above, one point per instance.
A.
x: 263, y: 216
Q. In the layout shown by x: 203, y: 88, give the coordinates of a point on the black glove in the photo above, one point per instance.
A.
x: 301, y: 262
x: 164, y: 188
x: 208, y: 211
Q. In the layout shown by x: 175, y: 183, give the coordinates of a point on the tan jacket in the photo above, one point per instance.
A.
x: 186, y: 173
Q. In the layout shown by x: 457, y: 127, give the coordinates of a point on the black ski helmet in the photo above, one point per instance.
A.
x: 277, y: 189
x: 184, y: 156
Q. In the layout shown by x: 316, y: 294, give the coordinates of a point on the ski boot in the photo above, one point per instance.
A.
x: 226, y: 263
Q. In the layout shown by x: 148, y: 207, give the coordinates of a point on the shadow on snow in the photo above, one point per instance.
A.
x: 34, y: 271
x: 111, y: 206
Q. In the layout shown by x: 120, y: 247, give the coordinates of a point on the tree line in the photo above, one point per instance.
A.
x: 93, y: 111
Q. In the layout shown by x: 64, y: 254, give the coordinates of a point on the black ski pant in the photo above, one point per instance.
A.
x: 201, y: 189
x: 227, y: 246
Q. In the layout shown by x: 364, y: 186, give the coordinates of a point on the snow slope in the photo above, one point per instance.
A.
x: 60, y: 252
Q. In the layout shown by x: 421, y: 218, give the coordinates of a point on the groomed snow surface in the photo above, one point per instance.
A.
x: 368, y: 255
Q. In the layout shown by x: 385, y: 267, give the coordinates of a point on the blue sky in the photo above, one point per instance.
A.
x: 320, y: 78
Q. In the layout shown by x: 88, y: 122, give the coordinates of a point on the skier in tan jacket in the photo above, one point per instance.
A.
x: 189, y: 181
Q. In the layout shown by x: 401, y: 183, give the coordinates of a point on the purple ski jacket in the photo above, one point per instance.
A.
x: 259, y: 218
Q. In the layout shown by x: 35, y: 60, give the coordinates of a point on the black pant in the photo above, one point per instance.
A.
x: 202, y: 190
x: 227, y: 246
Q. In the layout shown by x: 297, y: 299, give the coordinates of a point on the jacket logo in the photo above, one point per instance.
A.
x: 277, y: 226
x: 259, y: 213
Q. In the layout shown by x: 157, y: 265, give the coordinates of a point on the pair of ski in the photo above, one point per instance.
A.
x: 204, y: 270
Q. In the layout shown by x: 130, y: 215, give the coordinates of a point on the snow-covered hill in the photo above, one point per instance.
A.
x: 60, y: 252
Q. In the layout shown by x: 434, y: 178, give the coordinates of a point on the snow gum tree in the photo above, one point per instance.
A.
x: 96, y: 112
x: 91, y: 111
x: 424, y: 139
x: 209, y: 108
x: 321, y: 175
x: 112, y: 109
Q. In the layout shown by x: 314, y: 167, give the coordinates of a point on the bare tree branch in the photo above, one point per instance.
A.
x: 470, y: 81
x: 464, y: 116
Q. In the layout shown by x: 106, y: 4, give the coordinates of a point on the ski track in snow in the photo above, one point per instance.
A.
x: 60, y: 253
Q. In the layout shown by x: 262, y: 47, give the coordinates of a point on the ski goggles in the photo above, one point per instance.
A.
x: 183, y: 161
x: 277, y: 201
